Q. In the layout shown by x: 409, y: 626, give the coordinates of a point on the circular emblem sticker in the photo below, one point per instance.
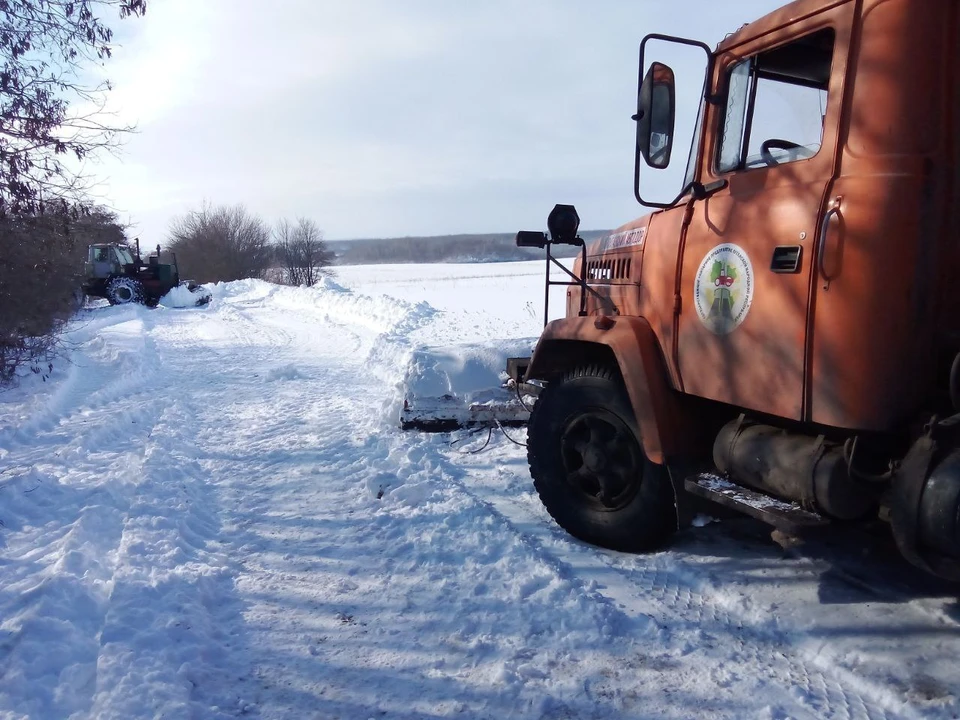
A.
x: 723, y: 288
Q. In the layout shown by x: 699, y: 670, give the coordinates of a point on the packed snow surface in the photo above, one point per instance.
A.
x: 210, y: 513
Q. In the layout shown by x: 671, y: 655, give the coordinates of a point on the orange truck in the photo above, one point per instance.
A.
x: 783, y: 336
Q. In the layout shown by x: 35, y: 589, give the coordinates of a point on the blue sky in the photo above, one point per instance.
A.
x: 378, y: 118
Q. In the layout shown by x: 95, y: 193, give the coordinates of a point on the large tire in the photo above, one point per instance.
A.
x: 124, y: 290
x: 589, y: 468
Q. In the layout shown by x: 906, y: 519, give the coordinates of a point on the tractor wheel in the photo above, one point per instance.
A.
x: 589, y: 468
x: 123, y: 290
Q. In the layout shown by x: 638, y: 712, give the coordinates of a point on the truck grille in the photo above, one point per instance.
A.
x: 618, y: 269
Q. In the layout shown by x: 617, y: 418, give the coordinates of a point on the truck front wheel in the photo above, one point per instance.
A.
x: 589, y: 468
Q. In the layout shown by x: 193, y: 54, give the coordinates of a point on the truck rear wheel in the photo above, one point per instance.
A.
x: 589, y: 468
x: 123, y: 290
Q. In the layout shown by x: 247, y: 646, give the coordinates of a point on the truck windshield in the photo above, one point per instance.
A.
x: 125, y: 257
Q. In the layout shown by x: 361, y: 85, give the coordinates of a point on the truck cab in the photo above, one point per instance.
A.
x: 781, y: 326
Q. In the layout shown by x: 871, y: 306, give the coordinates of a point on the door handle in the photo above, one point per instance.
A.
x: 832, y: 212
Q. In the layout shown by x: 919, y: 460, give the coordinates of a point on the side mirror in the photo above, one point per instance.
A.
x: 656, y: 113
x: 531, y: 239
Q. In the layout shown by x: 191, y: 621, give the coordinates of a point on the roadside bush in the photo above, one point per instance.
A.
x: 46, y: 49
x: 301, y: 252
x: 216, y: 244
x: 41, y: 271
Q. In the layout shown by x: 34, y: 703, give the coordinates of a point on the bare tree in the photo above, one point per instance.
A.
x: 302, y: 252
x: 45, y: 45
x: 221, y: 243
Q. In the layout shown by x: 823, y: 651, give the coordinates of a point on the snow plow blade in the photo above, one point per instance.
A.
x: 466, y: 386
x: 447, y: 413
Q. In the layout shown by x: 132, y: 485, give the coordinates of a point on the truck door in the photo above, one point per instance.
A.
x: 770, y: 146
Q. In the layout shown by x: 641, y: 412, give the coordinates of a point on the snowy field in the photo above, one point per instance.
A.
x: 210, y: 513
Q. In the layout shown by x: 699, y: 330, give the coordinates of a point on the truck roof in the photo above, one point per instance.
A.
x: 796, y: 10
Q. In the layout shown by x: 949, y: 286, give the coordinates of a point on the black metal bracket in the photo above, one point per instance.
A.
x: 578, y: 281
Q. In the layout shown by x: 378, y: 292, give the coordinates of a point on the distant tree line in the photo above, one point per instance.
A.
x: 492, y: 247
x: 216, y: 244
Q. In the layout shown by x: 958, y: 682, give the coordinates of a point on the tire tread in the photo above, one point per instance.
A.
x: 643, y: 525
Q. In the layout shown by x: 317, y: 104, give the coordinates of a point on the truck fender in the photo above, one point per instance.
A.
x: 632, y: 344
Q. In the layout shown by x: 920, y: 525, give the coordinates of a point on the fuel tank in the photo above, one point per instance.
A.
x: 791, y: 466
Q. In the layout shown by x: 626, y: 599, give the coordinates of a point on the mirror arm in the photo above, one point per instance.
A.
x: 699, y: 191
x: 702, y: 192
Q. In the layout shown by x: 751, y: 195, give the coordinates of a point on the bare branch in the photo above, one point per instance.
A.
x: 222, y: 243
x: 303, y: 254
x: 44, y: 45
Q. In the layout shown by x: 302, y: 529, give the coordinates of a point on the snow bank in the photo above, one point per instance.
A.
x: 463, y: 384
x: 467, y: 372
x: 327, y: 300
x: 242, y: 290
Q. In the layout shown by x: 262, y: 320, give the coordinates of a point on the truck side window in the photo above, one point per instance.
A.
x: 776, y: 103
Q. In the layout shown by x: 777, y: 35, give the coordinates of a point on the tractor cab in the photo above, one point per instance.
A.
x: 104, y: 260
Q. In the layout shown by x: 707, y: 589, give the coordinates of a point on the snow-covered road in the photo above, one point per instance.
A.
x: 210, y: 513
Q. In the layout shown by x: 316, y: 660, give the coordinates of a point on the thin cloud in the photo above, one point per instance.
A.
x: 368, y: 116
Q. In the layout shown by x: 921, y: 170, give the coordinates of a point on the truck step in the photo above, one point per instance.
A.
x: 785, y: 516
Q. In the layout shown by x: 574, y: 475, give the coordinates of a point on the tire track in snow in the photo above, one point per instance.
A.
x: 100, y: 379
x: 66, y: 532
x: 114, y: 587
x: 690, y: 622
x: 223, y: 330
x: 270, y: 480
x: 163, y: 643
